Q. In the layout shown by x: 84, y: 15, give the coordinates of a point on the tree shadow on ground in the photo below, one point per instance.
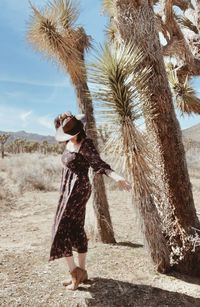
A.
x: 114, y: 293
x: 186, y: 278
x: 129, y: 244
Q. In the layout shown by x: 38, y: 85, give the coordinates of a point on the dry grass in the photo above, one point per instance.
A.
x: 121, y: 274
x: 6, y: 195
x: 33, y: 171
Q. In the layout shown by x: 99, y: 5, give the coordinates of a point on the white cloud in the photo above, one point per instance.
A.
x: 16, y: 119
x: 45, y: 121
x: 62, y: 83
x: 25, y: 115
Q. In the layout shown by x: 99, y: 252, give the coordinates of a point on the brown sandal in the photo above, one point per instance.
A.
x: 78, y: 276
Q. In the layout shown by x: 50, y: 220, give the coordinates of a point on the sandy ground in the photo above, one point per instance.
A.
x: 120, y: 274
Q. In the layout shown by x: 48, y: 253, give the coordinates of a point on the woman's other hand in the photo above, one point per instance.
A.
x: 124, y: 185
x: 121, y: 181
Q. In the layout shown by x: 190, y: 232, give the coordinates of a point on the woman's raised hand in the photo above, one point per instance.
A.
x: 124, y: 185
x: 65, y: 115
x: 58, y: 120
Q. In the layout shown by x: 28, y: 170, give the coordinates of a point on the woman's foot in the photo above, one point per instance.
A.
x: 78, y: 276
x: 67, y: 282
x: 85, y: 276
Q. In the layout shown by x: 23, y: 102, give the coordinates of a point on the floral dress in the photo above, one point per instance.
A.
x: 68, y: 227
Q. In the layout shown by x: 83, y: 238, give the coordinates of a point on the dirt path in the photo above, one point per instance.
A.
x: 121, y: 274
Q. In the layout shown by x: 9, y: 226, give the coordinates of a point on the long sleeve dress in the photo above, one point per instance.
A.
x: 68, y: 227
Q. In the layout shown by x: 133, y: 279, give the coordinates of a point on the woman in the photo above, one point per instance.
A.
x: 68, y: 228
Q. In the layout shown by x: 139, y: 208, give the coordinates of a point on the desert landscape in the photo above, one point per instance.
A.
x: 131, y: 69
x: 121, y: 274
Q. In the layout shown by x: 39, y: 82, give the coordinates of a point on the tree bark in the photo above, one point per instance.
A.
x: 144, y: 197
x: 135, y: 21
x: 104, y: 231
x: 2, y: 150
x: 181, y: 45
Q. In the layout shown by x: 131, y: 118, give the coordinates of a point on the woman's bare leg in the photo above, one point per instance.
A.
x: 77, y: 275
x: 71, y: 264
x: 82, y: 260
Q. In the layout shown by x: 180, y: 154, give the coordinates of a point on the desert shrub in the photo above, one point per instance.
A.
x: 5, y: 194
x: 2, y: 165
x: 193, y: 162
x: 34, y: 171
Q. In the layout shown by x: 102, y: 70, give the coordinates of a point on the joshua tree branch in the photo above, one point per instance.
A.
x: 177, y: 45
x: 183, y: 4
x: 187, y: 70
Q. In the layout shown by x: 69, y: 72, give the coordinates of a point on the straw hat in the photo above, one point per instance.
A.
x: 70, y: 126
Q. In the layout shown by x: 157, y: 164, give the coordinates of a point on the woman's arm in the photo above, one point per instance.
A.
x: 121, y: 181
x: 91, y: 154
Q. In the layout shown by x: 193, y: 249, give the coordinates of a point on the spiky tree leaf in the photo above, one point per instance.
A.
x: 111, y: 33
x: 115, y: 77
x: 109, y: 7
x: 186, y: 99
x: 66, y: 12
x: 63, y: 44
x: 45, y: 37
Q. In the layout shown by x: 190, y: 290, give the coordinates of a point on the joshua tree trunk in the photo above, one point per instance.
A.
x: 2, y: 150
x: 144, y: 200
x: 104, y: 231
x: 135, y: 21
x: 3, y: 140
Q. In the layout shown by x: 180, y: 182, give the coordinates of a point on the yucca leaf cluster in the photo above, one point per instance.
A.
x: 185, y: 96
x: 116, y: 78
x: 53, y: 32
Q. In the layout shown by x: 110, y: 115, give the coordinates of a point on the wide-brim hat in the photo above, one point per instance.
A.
x: 70, y: 127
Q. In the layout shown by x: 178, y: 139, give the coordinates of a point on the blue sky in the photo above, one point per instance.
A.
x: 32, y: 90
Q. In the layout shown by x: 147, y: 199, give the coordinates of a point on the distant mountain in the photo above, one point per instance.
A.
x: 192, y: 133
x: 32, y: 137
x: 189, y: 133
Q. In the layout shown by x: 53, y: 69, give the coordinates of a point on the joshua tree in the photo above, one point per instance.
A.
x: 27, y: 147
x: 135, y: 21
x: 44, y: 147
x: 54, y: 33
x: 182, y: 47
x: 119, y: 108
x: 3, y: 140
x: 19, y: 143
x: 35, y: 146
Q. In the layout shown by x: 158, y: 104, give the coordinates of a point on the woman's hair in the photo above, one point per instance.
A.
x: 81, y: 135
